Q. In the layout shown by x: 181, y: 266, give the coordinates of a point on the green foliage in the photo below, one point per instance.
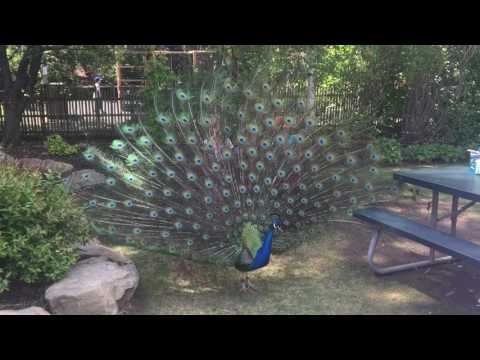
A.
x: 390, y: 149
x: 39, y: 224
x: 98, y: 58
x: 251, y: 238
x: 433, y: 153
x: 57, y: 146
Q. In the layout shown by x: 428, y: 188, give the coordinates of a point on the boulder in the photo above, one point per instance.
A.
x: 5, y: 158
x: 44, y: 165
x: 95, y: 250
x: 94, y: 286
x: 33, y: 310
x: 86, y: 178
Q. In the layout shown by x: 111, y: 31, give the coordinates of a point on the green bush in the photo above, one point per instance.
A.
x: 39, y: 224
x: 390, y: 150
x: 57, y: 146
x: 433, y: 153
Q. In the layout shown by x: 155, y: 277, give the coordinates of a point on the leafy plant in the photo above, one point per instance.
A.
x: 390, y: 149
x: 426, y: 153
x: 57, y: 146
x: 39, y: 224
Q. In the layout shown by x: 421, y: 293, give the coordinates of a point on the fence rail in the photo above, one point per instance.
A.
x: 75, y: 113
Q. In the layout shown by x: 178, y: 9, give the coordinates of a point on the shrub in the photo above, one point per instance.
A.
x: 57, y: 146
x: 39, y: 224
x: 390, y: 150
x: 426, y: 153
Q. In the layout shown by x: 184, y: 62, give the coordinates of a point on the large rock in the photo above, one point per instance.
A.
x: 86, y: 178
x: 5, y: 158
x: 95, y: 250
x: 44, y: 165
x: 95, y: 286
x: 33, y: 310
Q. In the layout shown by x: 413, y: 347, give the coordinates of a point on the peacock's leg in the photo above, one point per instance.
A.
x: 246, y: 284
x: 250, y: 285
x: 243, y: 283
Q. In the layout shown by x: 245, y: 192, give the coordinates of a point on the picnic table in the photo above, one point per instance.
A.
x: 457, y: 181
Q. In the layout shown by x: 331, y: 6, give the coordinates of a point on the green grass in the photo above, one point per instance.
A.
x: 316, y: 278
x: 328, y: 274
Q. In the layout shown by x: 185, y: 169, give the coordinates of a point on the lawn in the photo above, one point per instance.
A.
x: 328, y: 274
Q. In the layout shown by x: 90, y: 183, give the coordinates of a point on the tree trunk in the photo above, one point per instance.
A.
x: 15, y: 90
x: 311, y: 95
x: 13, y: 118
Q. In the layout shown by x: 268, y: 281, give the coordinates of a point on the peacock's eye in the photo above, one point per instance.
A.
x: 322, y: 141
x: 269, y: 122
x: 179, y: 156
x: 227, y: 154
x: 277, y: 103
x: 226, y: 209
x: 280, y: 139
x: 208, y: 200
x: 259, y: 107
x: 111, y: 181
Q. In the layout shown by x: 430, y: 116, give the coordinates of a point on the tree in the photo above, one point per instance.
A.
x: 19, y: 73
x: 18, y: 85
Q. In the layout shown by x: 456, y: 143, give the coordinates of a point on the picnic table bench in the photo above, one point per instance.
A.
x: 454, y: 180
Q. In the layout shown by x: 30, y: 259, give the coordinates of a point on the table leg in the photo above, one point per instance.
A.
x: 434, y: 218
x: 454, y: 215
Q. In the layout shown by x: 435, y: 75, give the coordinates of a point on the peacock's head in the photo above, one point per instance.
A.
x: 276, y: 222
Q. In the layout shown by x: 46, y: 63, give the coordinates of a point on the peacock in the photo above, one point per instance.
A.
x: 224, y: 166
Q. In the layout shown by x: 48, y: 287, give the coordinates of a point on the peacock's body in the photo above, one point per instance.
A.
x: 204, y: 182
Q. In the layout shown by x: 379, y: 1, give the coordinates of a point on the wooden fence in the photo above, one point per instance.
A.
x: 75, y: 113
